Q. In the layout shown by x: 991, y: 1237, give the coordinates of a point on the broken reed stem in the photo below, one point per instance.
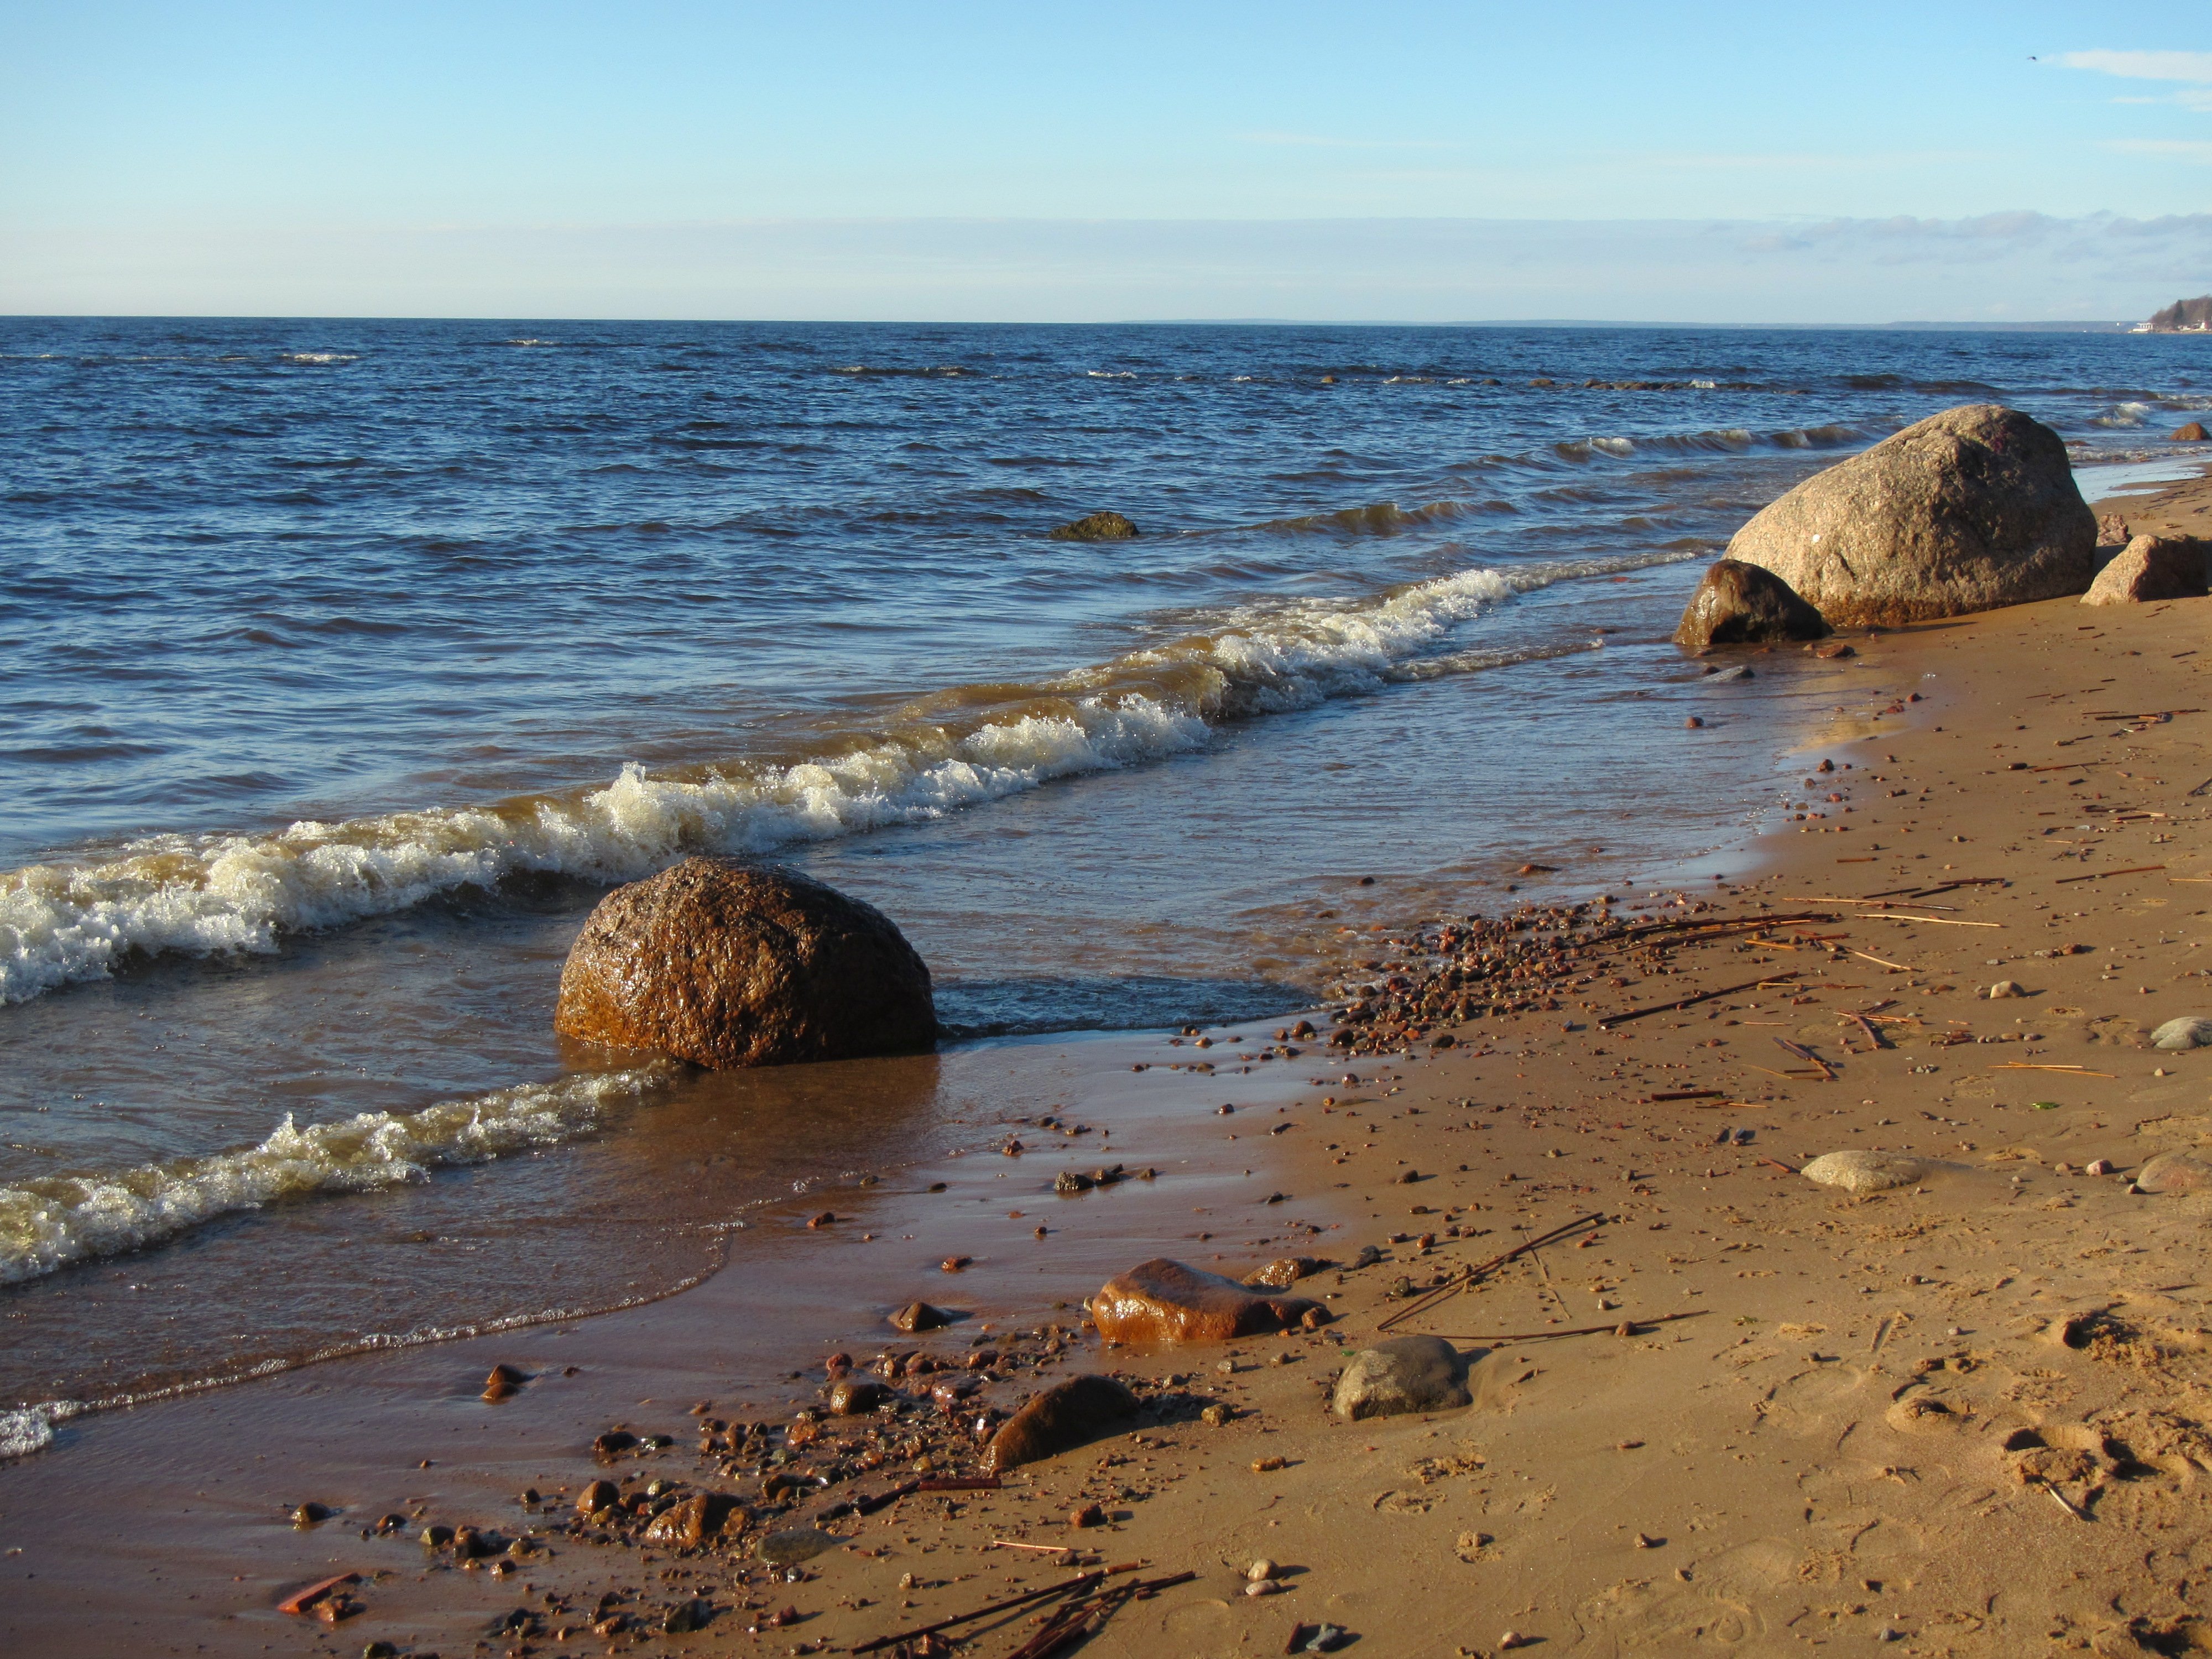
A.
x: 1618, y: 1326
x: 2100, y: 875
x: 1595, y: 1218
x: 1606, y: 1024
x: 1082, y: 1581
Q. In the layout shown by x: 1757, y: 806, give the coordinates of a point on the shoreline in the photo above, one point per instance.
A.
x: 1800, y: 1461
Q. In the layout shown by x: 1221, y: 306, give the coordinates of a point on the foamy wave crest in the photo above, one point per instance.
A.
x: 66, y: 921
x: 51, y: 1222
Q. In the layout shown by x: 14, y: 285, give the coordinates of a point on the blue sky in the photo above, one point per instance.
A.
x: 1747, y: 162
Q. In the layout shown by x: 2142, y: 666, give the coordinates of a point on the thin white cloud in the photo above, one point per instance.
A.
x: 2192, y: 66
x: 2176, y: 149
x: 1316, y: 140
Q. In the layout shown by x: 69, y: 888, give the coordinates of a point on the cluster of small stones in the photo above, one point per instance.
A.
x: 1522, y: 962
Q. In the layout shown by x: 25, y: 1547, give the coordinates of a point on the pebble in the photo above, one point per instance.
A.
x: 1214, y: 1416
x: 1511, y: 1639
x: 1090, y: 1514
x: 1261, y: 1587
x: 1268, y: 1465
x: 1260, y: 1568
x: 1693, y: 724
x: 2098, y: 1166
x: 310, y: 1514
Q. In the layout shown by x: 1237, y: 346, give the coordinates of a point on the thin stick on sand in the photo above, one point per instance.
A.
x: 1688, y: 1002
x: 1595, y: 1218
x: 1878, y: 961
x: 1621, y: 1327
x: 2104, y: 875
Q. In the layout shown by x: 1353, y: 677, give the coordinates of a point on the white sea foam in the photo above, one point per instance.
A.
x: 71, y: 920
x: 29, y: 1430
x: 322, y: 357
x: 51, y: 1222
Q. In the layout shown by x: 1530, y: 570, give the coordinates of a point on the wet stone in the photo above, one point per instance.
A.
x: 1166, y: 1301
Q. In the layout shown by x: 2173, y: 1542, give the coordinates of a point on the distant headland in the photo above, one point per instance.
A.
x: 2182, y: 316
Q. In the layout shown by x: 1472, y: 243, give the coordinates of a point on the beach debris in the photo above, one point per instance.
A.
x: 792, y: 1545
x: 920, y: 1317
x: 1097, y: 527
x: 1727, y: 676
x: 1167, y: 1301
x: 1063, y: 1416
x: 2149, y: 568
x: 1970, y: 509
x: 1737, y: 603
x: 726, y: 964
x: 2175, y: 1172
x: 1286, y: 1270
x: 2188, y: 1032
x: 1399, y: 1374
x: 1269, y: 1465
x: 325, y: 1600
x: 1368, y: 1256
x: 1857, y: 1171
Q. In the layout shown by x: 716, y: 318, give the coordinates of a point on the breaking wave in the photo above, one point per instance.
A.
x: 72, y: 918
x: 53, y: 1221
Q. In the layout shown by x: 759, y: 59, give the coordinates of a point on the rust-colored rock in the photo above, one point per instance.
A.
x: 726, y: 964
x: 1066, y: 1414
x: 1164, y: 1301
x: 1284, y: 1272
x: 2189, y: 432
x: 688, y: 1524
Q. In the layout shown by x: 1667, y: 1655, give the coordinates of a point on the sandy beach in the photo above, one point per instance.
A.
x: 1965, y: 1415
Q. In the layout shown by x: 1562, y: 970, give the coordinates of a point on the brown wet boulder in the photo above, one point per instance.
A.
x: 1968, y: 510
x: 1065, y: 1415
x: 689, y: 1523
x: 1164, y: 1301
x: 920, y: 1317
x: 1740, y: 603
x: 1097, y: 527
x: 2191, y: 432
x: 2151, y: 567
x: 725, y: 964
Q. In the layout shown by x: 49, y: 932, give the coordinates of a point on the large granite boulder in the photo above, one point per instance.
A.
x: 2151, y: 567
x: 1968, y: 510
x: 1065, y: 1415
x: 1740, y: 603
x: 1164, y: 1301
x: 726, y: 964
x: 1404, y: 1374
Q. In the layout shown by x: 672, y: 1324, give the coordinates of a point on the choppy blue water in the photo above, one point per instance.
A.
x: 339, y: 660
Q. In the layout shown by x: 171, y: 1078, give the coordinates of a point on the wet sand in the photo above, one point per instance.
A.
x: 1860, y: 1431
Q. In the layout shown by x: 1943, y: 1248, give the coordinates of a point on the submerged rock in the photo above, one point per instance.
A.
x: 1967, y: 510
x: 1857, y: 1171
x: 1065, y: 1415
x: 1097, y: 527
x: 1741, y: 604
x: 2189, y: 432
x: 2187, y: 1033
x: 2151, y: 567
x: 1405, y: 1373
x: 1165, y: 1301
x: 725, y: 964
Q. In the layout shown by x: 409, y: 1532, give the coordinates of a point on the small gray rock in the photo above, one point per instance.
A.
x: 1857, y: 1171
x: 2182, y: 1034
x: 1404, y: 1374
x: 794, y: 1544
